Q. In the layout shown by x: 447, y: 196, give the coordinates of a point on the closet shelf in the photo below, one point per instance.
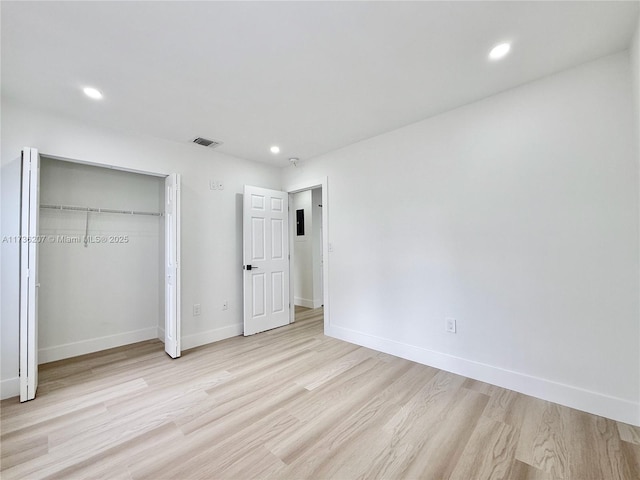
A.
x: 100, y: 210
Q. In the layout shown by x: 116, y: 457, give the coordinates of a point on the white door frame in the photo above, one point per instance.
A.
x: 112, y: 167
x: 301, y: 187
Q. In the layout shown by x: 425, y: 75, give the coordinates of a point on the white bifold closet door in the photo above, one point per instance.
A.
x: 29, y: 240
x: 266, y: 259
x: 172, y: 266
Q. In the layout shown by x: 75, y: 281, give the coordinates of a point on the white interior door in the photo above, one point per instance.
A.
x: 30, y: 206
x: 266, y: 259
x: 172, y: 266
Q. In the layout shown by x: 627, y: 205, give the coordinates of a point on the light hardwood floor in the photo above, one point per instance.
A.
x: 294, y: 404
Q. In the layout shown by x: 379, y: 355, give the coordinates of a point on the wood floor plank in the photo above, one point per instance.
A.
x: 333, y: 369
x: 629, y: 433
x: 572, y: 444
x: 406, y: 429
x: 33, y: 415
x: 76, y: 419
x: 631, y: 453
x: 490, y: 452
x: 354, y: 381
x: 232, y: 452
x: 478, y: 386
x: 429, y: 401
x: 22, y: 451
x: 118, y: 429
x: 524, y: 471
x: 257, y: 464
x: 594, y: 446
x: 105, y: 462
x: 344, y: 443
x: 292, y: 403
x: 503, y: 406
x: 436, y: 455
x: 330, y: 405
x: 164, y: 396
x: 213, y: 450
x: 241, y: 455
x: 544, y: 440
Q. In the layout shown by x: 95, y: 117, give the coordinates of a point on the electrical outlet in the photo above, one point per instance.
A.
x: 197, y: 310
x: 213, y: 185
x: 450, y: 325
x: 225, y: 305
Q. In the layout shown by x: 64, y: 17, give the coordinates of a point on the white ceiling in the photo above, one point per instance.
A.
x: 310, y: 77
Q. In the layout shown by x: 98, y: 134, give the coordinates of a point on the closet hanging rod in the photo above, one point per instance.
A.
x: 100, y: 210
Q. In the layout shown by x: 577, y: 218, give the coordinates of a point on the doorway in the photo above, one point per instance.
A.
x: 309, y: 248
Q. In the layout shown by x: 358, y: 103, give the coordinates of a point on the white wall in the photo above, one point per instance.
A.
x: 100, y: 295
x: 303, y: 259
x: 211, y: 219
x: 518, y: 216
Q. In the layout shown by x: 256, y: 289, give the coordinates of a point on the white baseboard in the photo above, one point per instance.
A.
x: 317, y: 303
x: 68, y: 350
x: 303, y: 302
x: 161, y: 334
x: 593, y: 402
x: 210, y: 336
x: 10, y: 388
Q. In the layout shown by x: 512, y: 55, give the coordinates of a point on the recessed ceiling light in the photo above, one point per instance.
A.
x: 92, y: 93
x: 499, y: 51
x: 275, y: 149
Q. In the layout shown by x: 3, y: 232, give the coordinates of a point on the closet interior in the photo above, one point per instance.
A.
x: 101, y: 259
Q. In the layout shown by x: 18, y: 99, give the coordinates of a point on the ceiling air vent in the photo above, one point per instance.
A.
x: 205, y: 142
